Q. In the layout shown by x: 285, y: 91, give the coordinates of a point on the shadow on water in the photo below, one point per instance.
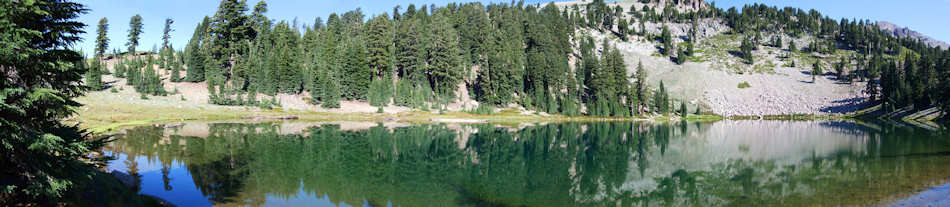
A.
x: 727, y: 163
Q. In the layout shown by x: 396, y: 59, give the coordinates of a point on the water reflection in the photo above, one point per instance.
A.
x: 772, y: 163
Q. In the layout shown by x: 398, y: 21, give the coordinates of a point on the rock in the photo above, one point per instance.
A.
x: 126, y: 179
x: 175, y: 125
x: 287, y: 117
x: 459, y: 120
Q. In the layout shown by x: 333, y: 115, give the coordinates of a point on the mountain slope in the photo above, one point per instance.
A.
x: 899, y: 31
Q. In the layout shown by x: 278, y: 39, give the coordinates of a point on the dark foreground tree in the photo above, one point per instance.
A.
x: 41, y: 157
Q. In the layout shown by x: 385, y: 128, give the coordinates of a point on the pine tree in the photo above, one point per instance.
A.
x: 229, y: 36
x: 163, y: 58
x: 409, y: 57
x: 102, y: 41
x: 791, y: 46
x: 135, y: 29
x: 680, y: 57
x: 94, y: 75
x: 872, y: 74
x: 683, y: 109
x: 194, y: 56
x: 816, y: 70
x: 355, y: 75
x: 119, y: 69
x: 379, y: 92
x: 643, y: 28
x: 379, y: 44
x: 661, y: 100
x: 689, y: 49
x: 166, y: 37
x: 42, y: 157
x: 474, y: 27
x: 175, y: 65
x: 288, y: 77
x: 444, y: 65
x: 746, y: 50
x: 667, y: 40
x: 331, y: 97
x: 622, y: 29
x: 403, y: 95
x: 640, y: 86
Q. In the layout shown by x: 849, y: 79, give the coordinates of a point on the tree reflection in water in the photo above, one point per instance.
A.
x: 569, y: 164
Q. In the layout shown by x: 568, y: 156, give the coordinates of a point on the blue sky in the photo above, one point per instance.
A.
x: 925, y: 16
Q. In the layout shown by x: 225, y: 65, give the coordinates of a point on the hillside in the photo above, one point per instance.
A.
x: 779, y: 81
x: 712, y: 80
x: 899, y: 31
x: 571, y: 58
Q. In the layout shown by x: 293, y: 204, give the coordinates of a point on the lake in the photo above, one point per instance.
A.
x: 725, y: 163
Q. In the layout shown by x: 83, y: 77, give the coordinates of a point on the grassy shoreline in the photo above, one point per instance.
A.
x: 103, y: 118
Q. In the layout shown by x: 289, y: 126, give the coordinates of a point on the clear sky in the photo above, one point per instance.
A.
x: 926, y: 16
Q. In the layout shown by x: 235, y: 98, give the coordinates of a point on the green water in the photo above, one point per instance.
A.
x: 726, y: 163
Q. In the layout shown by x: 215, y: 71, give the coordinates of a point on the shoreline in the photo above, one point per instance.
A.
x: 100, y: 115
x: 100, y: 118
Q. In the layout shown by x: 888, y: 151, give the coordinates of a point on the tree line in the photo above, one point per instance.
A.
x: 420, y: 58
x: 510, y: 53
x: 417, y: 57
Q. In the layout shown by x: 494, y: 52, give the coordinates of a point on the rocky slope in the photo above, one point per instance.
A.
x: 899, y: 31
x: 710, y: 80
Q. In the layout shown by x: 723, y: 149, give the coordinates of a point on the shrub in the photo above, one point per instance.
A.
x: 744, y: 85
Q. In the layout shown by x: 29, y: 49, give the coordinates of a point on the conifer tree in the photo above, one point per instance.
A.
x: 643, y: 28
x: 379, y: 93
x: 194, y: 56
x: 403, y: 96
x: 474, y: 28
x: 622, y: 29
x: 746, y: 49
x: 164, y: 51
x: 640, y: 86
x: 355, y: 76
x: 175, y: 65
x: 42, y: 157
x: 288, y: 75
x: 229, y: 37
x: 94, y: 75
x: 683, y: 108
x: 379, y: 43
x: 166, y: 37
x: 102, y: 41
x: 444, y: 65
x: 331, y: 97
x: 408, y: 48
x: 135, y: 29
x: 680, y: 57
x: 667, y: 40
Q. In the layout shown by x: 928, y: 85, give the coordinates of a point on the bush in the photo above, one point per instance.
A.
x: 744, y: 85
x: 483, y: 109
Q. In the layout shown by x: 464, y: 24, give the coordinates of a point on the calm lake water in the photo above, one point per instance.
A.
x: 726, y: 163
